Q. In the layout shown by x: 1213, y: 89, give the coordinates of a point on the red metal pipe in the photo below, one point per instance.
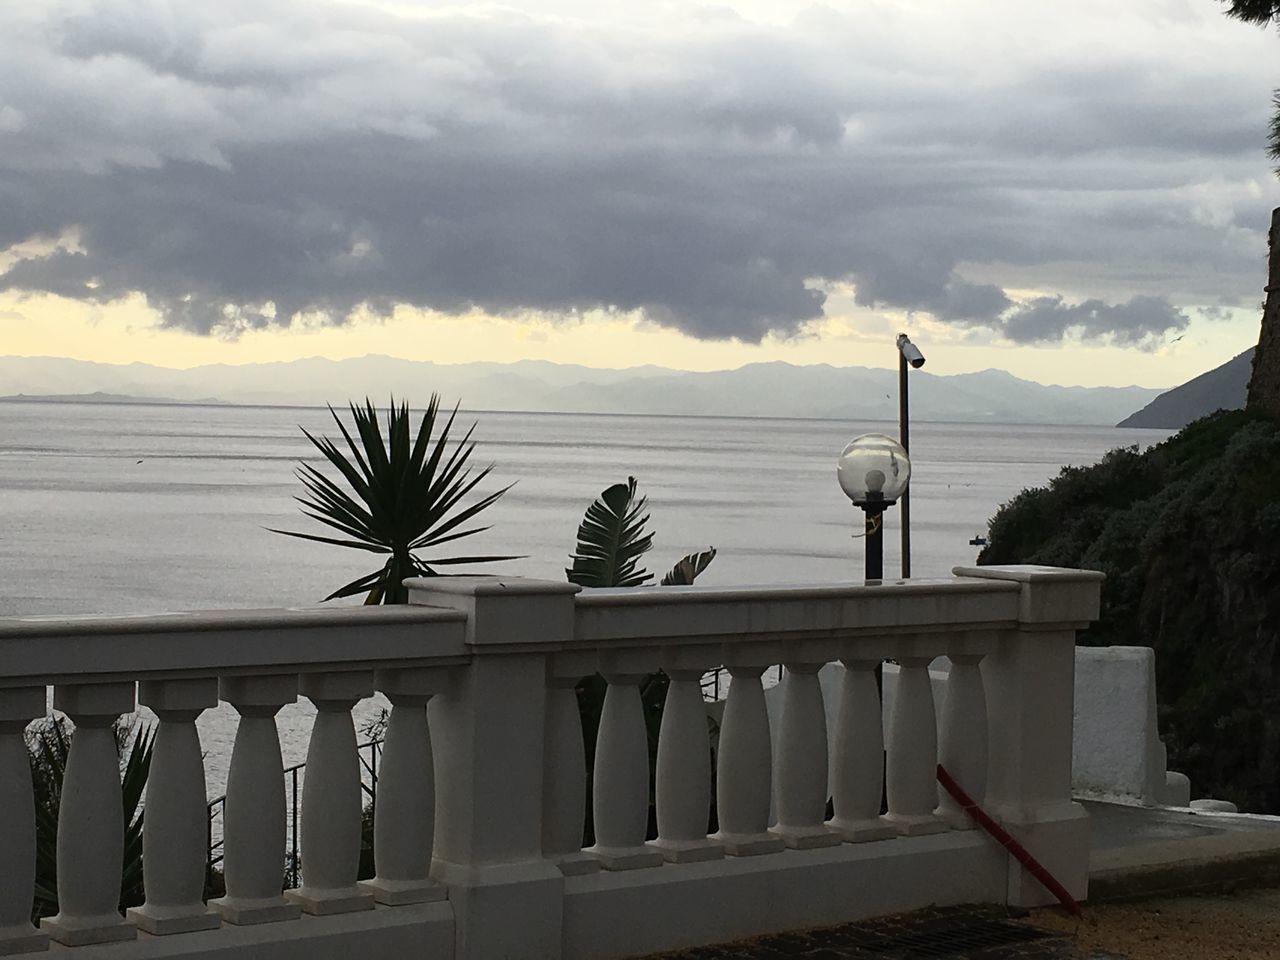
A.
x: 1002, y: 836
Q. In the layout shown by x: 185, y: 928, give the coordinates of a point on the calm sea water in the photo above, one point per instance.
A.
x: 115, y: 509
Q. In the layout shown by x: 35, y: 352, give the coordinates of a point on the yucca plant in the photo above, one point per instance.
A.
x: 49, y: 746
x: 405, y: 495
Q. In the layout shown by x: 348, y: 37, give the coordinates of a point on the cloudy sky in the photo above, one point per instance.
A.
x: 1077, y: 191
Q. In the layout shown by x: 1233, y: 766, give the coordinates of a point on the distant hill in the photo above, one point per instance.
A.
x: 96, y: 397
x: 755, y: 390
x: 1222, y: 388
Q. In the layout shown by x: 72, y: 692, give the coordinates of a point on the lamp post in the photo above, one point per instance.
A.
x: 908, y: 353
x: 873, y: 471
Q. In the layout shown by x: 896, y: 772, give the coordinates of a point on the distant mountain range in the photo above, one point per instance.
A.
x: 756, y: 390
x: 1222, y: 388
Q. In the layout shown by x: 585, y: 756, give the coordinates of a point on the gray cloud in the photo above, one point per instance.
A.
x: 1142, y: 321
x: 319, y: 158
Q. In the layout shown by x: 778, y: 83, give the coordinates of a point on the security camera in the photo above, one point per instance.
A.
x: 910, y: 352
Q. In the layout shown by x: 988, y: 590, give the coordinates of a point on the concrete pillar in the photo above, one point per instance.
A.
x: 331, y: 796
x: 912, y: 758
x: 682, y: 788
x: 564, y: 784
x: 508, y: 901
x: 254, y: 827
x: 1029, y: 680
x: 18, y: 706
x: 857, y: 781
x: 404, y: 818
x: 91, y: 818
x: 745, y: 758
x: 620, y: 780
x: 801, y: 765
x: 174, y: 830
x: 963, y: 746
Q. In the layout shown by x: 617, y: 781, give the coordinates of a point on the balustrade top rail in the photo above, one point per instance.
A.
x: 51, y: 650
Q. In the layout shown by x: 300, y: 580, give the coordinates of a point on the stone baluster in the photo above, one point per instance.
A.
x: 18, y: 706
x: 682, y: 787
x: 801, y: 766
x: 744, y: 761
x: 857, y: 779
x: 963, y: 746
x: 620, y: 781
x: 564, y: 784
x: 91, y: 818
x: 911, y: 764
x: 174, y: 832
x: 254, y: 826
x: 404, y: 818
x: 331, y: 797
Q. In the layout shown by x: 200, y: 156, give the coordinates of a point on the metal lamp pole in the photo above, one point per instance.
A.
x: 907, y: 354
x: 874, y: 507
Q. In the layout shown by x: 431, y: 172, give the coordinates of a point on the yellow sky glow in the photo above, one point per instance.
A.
x: 127, y: 331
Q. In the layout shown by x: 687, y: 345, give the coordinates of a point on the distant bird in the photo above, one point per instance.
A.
x: 138, y: 462
x: 1177, y: 338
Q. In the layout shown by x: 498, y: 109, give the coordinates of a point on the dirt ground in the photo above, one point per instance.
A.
x: 1237, y: 926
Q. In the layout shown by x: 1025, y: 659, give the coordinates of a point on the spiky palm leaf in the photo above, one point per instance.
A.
x: 611, y: 539
x: 405, y: 495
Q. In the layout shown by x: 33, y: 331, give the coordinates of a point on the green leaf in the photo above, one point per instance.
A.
x: 686, y: 571
x: 397, y: 490
x: 611, y: 539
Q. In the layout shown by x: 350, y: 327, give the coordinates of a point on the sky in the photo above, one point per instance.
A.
x: 1075, y: 192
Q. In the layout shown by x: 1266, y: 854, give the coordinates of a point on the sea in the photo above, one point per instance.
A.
x: 124, y: 508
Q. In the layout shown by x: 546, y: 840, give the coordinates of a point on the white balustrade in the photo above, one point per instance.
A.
x: 254, y: 827
x: 802, y: 761
x: 174, y: 838
x: 963, y: 747
x: 18, y: 706
x: 404, y: 817
x: 744, y: 760
x: 482, y: 780
x: 91, y: 818
x: 620, y: 780
x: 331, y: 797
x: 857, y: 779
x: 564, y: 785
x: 912, y: 759
x: 682, y: 788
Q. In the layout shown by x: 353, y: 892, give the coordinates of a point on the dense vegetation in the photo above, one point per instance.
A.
x: 1188, y: 535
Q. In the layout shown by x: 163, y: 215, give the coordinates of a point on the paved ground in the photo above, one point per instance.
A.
x: 953, y: 933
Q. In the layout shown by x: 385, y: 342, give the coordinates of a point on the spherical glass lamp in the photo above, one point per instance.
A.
x: 873, y: 469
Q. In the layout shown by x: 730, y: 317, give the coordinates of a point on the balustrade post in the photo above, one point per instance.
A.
x: 91, y: 818
x: 682, y: 788
x: 18, y: 706
x: 405, y: 812
x: 564, y: 784
x: 488, y: 732
x: 1029, y: 680
x: 911, y: 763
x: 803, y: 763
x: 857, y: 777
x: 620, y: 780
x: 174, y: 830
x: 331, y: 797
x: 963, y: 746
x: 744, y: 761
x: 254, y: 827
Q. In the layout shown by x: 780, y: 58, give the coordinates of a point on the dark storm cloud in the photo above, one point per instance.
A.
x: 241, y: 164
x: 1140, y: 321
